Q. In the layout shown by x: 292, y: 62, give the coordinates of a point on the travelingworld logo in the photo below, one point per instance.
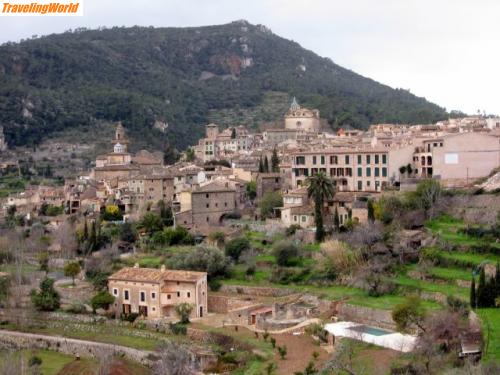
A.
x: 16, y: 8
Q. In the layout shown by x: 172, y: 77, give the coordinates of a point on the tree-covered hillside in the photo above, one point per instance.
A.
x: 181, y: 76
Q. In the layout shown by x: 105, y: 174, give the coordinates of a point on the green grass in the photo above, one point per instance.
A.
x: 356, y: 296
x: 447, y: 228
x: 451, y: 274
x: 470, y: 258
x: 52, y: 362
x: 106, y: 336
x: 491, y: 330
x: 432, y: 287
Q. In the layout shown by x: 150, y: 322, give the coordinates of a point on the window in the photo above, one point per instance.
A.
x: 168, y: 296
x: 115, y: 292
x: 304, y: 219
x: 384, y: 159
x: 322, y: 159
x: 377, y: 159
x: 314, y: 159
x: 208, y: 205
x: 142, y: 296
x: 207, y: 195
x: 368, y: 159
x: 368, y: 172
x: 360, y: 172
x: 368, y: 183
x: 153, y: 295
x: 384, y: 172
x: 178, y: 294
x: 300, y: 160
x: 225, y: 204
x: 126, y: 295
x: 189, y: 294
x: 334, y: 159
x: 360, y: 185
x: 294, y: 217
x: 377, y: 171
x: 347, y: 159
x: 359, y: 159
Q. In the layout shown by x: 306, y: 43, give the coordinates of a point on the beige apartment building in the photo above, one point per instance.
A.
x: 367, y: 169
x: 462, y: 158
x: 154, y: 293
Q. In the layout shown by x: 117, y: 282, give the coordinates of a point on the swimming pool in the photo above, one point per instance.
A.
x: 370, y: 330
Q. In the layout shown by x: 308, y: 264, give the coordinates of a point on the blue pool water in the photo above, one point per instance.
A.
x: 370, y: 330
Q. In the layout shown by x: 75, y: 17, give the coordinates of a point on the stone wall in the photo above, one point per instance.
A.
x: 20, y: 340
x: 366, y: 315
x: 256, y: 291
x: 224, y: 304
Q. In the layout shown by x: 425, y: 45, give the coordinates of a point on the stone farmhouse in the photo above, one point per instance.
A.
x: 154, y: 293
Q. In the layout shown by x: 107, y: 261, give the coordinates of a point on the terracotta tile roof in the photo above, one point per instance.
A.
x: 215, y: 186
x: 155, y: 275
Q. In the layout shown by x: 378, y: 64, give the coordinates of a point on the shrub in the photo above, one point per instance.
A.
x: 282, y: 351
x: 112, y: 213
x: 72, y: 269
x: 286, y: 253
x: 76, y: 308
x: 268, y: 202
x: 282, y: 275
x: 201, y: 258
x: 291, y: 230
x: 183, y: 310
x: 236, y: 247
x: 129, y: 317
x: 34, y: 361
x: 178, y: 328
x: 101, y: 300
x: 341, y: 257
x: 47, y: 299
x: 214, y: 285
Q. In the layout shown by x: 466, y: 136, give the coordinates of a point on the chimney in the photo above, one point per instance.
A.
x: 163, y: 268
x: 136, y: 265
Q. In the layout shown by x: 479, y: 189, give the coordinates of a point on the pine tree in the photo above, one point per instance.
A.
x: 473, y: 301
x: 275, y: 161
x: 482, y: 292
x: 261, y: 165
x: 266, y: 164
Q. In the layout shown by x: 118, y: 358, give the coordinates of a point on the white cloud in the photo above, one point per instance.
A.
x: 444, y: 50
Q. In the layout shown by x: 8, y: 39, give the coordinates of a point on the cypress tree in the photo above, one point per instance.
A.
x: 482, y: 292
x: 85, y: 231
x: 497, y: 280
x: 473, y: 301
x: 275, y: 161
x: 266, y: 164
x: 261, y: 166
x: 336, y: 219
x: 92, y: 238
x: 371, y: 210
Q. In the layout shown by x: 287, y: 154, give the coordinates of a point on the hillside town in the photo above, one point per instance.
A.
x: 290, y: 250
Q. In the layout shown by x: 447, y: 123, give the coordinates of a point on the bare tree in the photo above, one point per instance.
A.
x: 66, y: 237
x: 174, y: 360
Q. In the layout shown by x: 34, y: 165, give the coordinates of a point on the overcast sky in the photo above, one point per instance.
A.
x: 445, y: 50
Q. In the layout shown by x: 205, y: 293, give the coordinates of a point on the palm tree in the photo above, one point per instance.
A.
x: 320, y: 187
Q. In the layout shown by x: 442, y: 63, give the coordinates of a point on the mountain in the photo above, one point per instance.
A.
x: 185, y: 77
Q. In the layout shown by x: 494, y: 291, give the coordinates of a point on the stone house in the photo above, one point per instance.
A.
x: 206, y: 205
x: 154, y: 293
x: 268, y: 182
